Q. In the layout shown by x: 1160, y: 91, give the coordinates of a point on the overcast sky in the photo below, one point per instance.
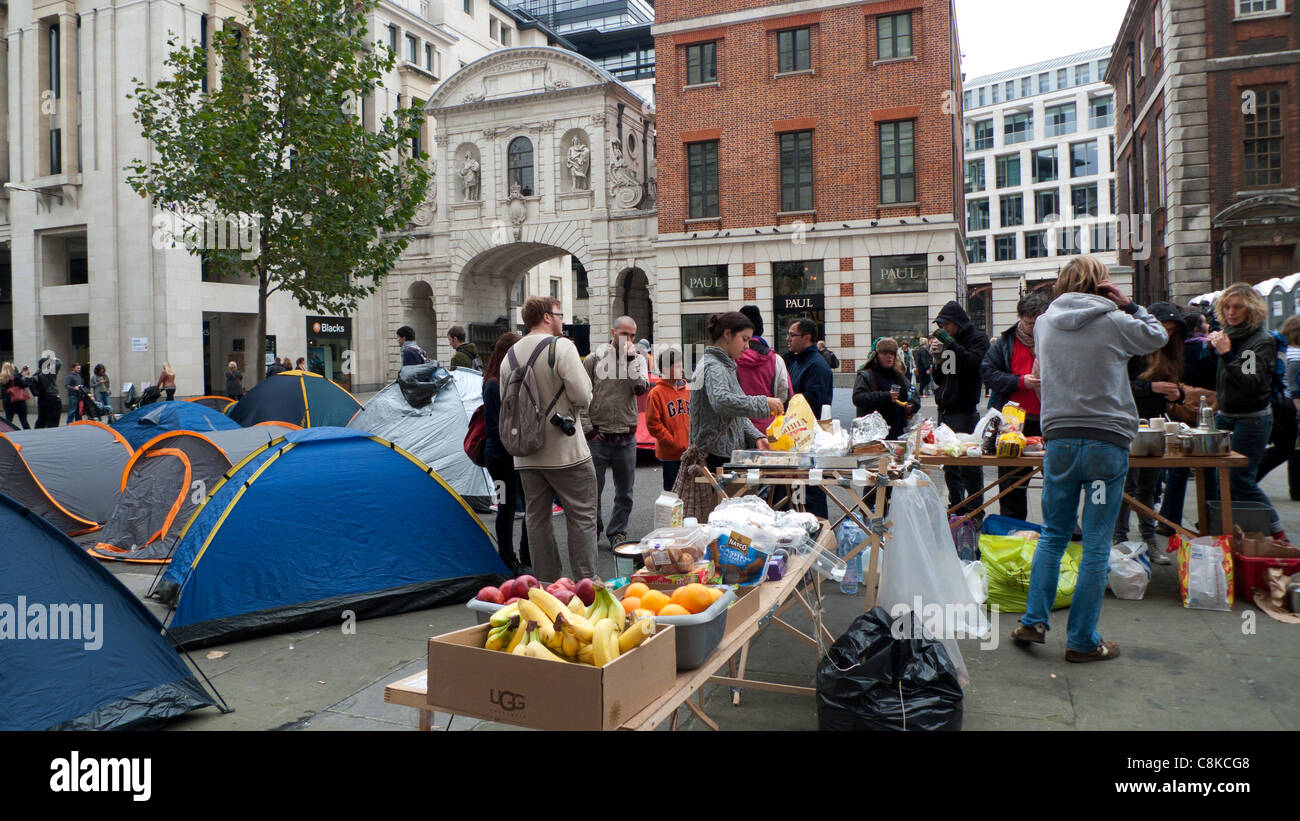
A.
x: 997, y: 35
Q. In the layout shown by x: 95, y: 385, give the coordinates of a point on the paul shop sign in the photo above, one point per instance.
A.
x: 899, y: 275
x: 801, y: 303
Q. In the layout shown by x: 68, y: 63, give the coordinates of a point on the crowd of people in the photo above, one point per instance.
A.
x: 1084, y: 366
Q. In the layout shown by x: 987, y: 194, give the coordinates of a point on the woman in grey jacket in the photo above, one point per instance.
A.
x: 720, y: 410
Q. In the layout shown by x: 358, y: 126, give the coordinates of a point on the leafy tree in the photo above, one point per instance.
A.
x: 279, y: 139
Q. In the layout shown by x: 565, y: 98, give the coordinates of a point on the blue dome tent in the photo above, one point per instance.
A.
x: 143, y: 424
x: 78, y: 651
x: 317, y: 522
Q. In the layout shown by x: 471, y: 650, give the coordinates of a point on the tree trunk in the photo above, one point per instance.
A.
x: 259, y: 344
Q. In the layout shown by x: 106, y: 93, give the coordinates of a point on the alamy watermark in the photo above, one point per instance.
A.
x: 61, y: 621
x: 209, y: 230
x: 945, y: 621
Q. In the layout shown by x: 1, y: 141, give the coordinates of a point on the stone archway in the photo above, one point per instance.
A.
x: 633, y: 299
x: 418, y: 312
x: 585, y: 200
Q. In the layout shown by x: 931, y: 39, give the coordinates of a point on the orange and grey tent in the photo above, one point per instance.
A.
x: 167, y: 479
x: 301, y: 397
x: 70, y: 475
x: 220, y: 404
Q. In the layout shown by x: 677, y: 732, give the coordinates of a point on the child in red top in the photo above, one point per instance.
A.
x: 668, y: 415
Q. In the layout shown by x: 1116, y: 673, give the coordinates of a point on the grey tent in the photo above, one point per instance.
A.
x: 426, y: 412
x: 70, y: 475
x: 166, y: 481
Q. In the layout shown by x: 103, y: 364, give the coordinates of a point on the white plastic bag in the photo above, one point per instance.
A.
x: 1130, y: 571
x: 922, y: 574
x: 984, y: 423
x: 976, y: 580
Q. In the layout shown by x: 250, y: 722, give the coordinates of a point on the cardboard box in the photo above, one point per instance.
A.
x: 467, y: 680
x: 743, y: 609
x: 1261, y: 546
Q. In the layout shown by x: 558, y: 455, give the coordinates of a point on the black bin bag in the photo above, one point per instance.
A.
x: 870, y: 680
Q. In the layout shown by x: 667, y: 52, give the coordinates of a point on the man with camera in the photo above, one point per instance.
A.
x: 619, y: 374
x: 562, y: 466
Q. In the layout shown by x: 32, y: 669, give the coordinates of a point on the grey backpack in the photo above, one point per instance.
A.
x: 522, y: 423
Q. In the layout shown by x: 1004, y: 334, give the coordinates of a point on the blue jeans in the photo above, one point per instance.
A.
x: 1250, y: 436
x: 1095, y: 470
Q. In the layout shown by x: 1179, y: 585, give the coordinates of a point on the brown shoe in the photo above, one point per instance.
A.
x: 1105, y: 651
x: 1036, y: 634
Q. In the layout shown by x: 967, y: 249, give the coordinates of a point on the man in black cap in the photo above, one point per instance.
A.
x: 958, y: 350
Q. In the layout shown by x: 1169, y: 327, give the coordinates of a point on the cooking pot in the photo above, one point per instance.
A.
x: 1200, y: 442
x: 1148, y: 442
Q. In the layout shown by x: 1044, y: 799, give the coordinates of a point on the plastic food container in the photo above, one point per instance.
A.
x: 674, y: 549
x: 698, y: 635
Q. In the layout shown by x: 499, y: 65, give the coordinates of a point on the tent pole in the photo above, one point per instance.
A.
x: 224, y: 707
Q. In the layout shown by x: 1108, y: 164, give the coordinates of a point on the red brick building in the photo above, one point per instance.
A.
x: 808, y: 156
x: 1207, y: 119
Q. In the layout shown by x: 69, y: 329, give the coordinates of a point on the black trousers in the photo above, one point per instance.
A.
x: 1016, y: 503
x: 509, y: 491
x: 963, y: 482
x: 48, y: 412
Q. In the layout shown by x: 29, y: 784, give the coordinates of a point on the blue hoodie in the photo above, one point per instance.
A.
x: 1084, y: 343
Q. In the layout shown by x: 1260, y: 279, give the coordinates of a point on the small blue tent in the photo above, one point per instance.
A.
x: 78, y: 651
x: 145, y: 423
x: 317, y: 522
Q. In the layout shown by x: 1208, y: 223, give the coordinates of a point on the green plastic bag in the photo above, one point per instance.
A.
x: 1007, y: 562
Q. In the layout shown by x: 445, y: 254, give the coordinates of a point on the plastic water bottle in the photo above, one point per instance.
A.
x: 847, y: 537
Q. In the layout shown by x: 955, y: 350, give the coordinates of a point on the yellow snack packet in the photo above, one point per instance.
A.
x: 1013, y: 416
x: 777, y: 440
x: 800, y: 423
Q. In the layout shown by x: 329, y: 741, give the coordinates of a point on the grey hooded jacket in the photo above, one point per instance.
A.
x: 720, y: 410
x: 1084, y: 343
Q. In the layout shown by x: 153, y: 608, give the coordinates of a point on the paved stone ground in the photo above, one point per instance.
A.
x: 1180, y: 669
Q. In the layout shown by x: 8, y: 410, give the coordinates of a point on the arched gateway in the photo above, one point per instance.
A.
x: 539, y: 153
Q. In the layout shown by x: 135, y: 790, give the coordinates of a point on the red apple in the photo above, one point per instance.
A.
x: 530, y: 581
x: 511, y: 600
x: 552, y: 588
x: 564, y: 594
x: 490, y: 594
x: 566, y: 583
x: 518, y: 589
x: 586, y: 591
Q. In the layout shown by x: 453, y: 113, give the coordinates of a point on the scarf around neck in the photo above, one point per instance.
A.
x: 1025, y: 339
x: 1239, y: 332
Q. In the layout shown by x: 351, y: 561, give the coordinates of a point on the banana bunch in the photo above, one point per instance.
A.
x: 541, y: 627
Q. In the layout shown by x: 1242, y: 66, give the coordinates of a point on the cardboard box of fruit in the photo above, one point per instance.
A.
x: 554, y: 666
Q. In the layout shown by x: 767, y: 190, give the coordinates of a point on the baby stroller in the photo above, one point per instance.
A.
x: 89, y: 408
x: 150, y: 395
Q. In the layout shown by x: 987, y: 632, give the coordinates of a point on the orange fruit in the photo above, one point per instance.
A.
x: 654, y: 601
x: 674, y: 610
x: 694, y: 597
x: 631, y: 603
x: 636, y: 590
x: 715, y: 593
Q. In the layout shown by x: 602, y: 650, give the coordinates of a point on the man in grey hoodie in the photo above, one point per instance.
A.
x: 1084, y: 343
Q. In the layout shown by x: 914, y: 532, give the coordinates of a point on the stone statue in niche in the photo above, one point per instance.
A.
x: 579, y: 163
x: 517, y: 209
x: 469, y: 178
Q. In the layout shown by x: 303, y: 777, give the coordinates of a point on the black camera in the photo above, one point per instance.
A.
x: 565, y: 423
